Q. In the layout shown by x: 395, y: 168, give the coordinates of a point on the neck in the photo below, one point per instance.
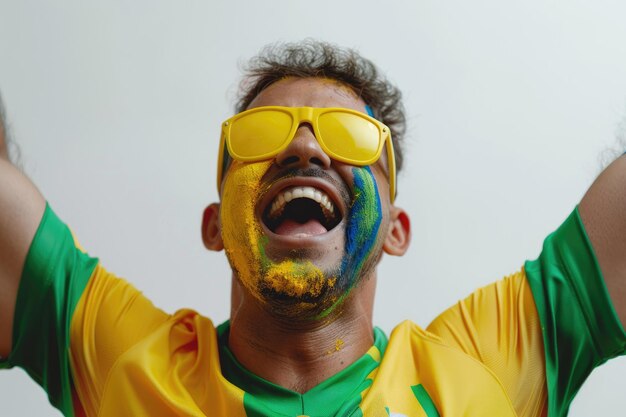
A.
x: 299, y: 358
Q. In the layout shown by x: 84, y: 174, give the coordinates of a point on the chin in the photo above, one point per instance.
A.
x: 320, y: 298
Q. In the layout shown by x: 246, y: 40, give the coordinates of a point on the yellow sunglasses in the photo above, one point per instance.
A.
x: 345, y: 135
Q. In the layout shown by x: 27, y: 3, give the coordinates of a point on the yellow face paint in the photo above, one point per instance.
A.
x: 338, y: 346
x: 301, y: 282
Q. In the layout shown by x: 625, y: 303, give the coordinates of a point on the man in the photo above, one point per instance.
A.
x: 307, y: 186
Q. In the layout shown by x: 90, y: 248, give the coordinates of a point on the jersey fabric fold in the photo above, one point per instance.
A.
x: 522, y: 346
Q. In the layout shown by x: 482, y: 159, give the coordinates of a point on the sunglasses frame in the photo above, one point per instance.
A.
x: 310, y: 115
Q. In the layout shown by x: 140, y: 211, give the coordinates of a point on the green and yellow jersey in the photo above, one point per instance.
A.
x: 520, y: 347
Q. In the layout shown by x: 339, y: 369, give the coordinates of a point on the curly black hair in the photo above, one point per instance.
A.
x: 312, y: 58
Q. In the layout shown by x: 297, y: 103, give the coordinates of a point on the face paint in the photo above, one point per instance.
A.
x: 364, y: 221
x: 296, y: 286
x: 296, y: 279
x: 301, y: 282
x: 240, y: 229
x: 338, y: 346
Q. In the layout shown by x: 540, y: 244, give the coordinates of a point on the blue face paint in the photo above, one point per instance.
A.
x: 364, y: 219
x: 369, y: 110
x: 363, y: 224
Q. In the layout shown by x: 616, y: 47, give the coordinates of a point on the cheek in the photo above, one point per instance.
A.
x: 364, y: 221
x: 381, y: 177
x: 241, y: 231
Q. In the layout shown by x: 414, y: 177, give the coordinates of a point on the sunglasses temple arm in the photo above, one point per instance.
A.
x: 391, y: 158
x: 220, y: 163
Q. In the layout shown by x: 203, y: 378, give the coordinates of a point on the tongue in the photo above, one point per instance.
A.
x: 293, y: 228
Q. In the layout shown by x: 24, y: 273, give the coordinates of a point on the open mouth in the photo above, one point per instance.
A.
x: 301, y: 211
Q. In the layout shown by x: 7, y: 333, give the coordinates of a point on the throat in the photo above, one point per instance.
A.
x: 298, y: 360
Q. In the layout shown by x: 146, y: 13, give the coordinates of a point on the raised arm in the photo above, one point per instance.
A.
x: 603, y: 212
x: 21, y: 209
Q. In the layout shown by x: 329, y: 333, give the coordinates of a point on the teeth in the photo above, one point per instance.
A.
x: 302, y: 192
x: 308, y: 193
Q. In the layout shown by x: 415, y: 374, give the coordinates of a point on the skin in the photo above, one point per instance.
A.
x: 603, y: 212
x: 21, y: 209
x: 298, y: 340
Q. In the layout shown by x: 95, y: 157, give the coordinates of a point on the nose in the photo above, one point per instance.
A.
x: 303, y: 150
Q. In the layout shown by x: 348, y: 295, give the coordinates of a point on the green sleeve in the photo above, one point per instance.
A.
x: 580, y: 327
x: 54, y: 277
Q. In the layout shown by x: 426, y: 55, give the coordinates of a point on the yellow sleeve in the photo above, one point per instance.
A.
x: 110, y: 318
x: 499, y: 326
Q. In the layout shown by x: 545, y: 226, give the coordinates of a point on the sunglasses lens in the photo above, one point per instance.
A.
x: 349, y: 136
x: 260, y: 133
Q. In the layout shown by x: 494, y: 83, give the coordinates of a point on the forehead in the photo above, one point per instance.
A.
x: 309, y: 92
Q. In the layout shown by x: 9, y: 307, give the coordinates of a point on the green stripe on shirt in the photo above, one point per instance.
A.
x: 54, y: 277
x: 580, y: 327
x: 425, y: 401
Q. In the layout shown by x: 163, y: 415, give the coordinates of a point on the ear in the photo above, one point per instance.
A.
x: 211, y: 233
x: 399, y: 234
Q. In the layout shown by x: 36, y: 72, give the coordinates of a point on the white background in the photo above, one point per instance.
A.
x: 116, y: 106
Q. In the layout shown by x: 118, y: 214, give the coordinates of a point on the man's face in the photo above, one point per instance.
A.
x: 302, y: 230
